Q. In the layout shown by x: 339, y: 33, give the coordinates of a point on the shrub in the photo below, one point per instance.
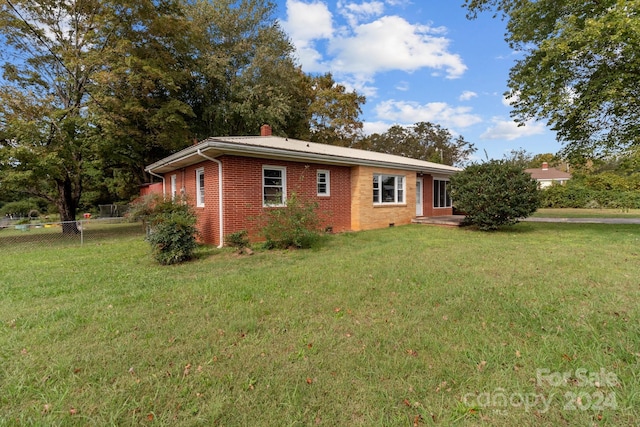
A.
x: 294, y: 225
x: 494, y: 194
x: 238, y: 239
x: 577, y: 195
x: 21, y: 208
x: 171, y: 228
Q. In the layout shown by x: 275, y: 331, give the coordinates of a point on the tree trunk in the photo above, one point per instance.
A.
x: 67, y: 206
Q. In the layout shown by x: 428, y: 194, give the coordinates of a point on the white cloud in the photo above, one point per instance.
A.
x: 368, y: 44
x: 307, y: 23
x: 398, y: 44
x: 509, y: 130
x: 375, y: 127
x: 467, y: 95
x: 402, y: 86
x: 507, y: 101
x: 354, y: 12
x: 435, y: 112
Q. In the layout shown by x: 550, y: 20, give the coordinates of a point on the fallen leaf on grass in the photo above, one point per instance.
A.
x: 481, y: 365
x: 309, y: 381
x: 73, y: 411
x: 187, y: 369
x: 149, y: 416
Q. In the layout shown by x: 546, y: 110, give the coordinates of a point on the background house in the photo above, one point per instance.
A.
x: 231, y: 181
x: 547, y: 176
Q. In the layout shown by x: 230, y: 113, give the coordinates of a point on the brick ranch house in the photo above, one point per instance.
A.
x: 231, y: 181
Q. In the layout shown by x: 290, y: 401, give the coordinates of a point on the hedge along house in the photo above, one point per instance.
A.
x: 232, y: 181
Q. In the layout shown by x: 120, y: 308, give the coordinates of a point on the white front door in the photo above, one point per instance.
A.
x: 419, y: 211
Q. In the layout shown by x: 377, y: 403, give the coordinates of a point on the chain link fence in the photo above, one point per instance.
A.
x: 14, y: 233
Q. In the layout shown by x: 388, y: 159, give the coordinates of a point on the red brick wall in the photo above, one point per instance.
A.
x: 208, y: 223
x: 242, y: 194
x: 429, y: 210
x: 151, y: 188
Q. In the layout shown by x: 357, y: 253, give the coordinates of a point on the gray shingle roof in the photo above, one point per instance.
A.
x: 274, y: 147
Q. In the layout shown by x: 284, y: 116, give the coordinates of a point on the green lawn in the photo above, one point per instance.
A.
x: 587, y: 213
x: 415, y: 325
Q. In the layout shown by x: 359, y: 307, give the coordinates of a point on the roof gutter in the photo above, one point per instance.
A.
x: 161, y: 177
x: 257, y: 151
x: 220, y: 216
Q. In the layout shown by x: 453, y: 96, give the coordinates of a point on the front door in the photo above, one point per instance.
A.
x: 419, y: 210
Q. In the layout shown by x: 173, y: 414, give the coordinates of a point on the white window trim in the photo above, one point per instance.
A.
x: 283, y: 169
x: 199, y: 190
x: 434, y: 195
x: 327, y: 175
x: 174, y: 186
x: 381, y: 177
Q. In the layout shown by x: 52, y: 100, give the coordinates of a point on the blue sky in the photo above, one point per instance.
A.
x: 416, y: 60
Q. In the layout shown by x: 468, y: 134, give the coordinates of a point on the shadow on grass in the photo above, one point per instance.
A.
x: 519, y: 228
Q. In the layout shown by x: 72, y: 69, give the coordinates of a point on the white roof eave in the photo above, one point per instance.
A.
x: 215, y: 147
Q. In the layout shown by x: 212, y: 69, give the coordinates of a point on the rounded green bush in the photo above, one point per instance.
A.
x: 494, y: 194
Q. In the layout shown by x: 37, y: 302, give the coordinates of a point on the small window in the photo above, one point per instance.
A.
x: 323, y: 183
x: 200, y: 187
x: 174, y: 186
x: 274, y: 186
x: 441, y: 197
x: 388, y: 189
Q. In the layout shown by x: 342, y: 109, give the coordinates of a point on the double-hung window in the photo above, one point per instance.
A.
x: 274, y: 185
x: 323, y: 183
x: 441, y: 197
x: 388, y: 189
x: 200, y: 187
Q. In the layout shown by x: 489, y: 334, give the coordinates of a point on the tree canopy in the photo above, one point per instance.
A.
x: 94, y: 90
x: 579, y: 70
x: 494, y: 194
x: 424, y: 141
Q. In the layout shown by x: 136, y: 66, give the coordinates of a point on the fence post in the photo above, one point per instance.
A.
x: 81, y: 233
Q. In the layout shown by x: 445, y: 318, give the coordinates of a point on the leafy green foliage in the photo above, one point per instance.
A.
x: 334, y: 112
x: 295, y: 225
x: 239, y: 239
x: 20, y: 208
x: 578, y: 193
x: 494, y: 194
x: 579, y: 70
x: 171, y: 228
x: 91, y: 96
x: 424, y: 141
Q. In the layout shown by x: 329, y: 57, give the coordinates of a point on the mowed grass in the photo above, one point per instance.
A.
x: 406, y: 326
x: 587, y: 213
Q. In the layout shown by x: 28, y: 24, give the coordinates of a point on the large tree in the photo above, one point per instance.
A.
x: 245, y: 74
x: 65, y: 64
x: 580, y: 68
x: 424, y: 141
x: 334, y: 112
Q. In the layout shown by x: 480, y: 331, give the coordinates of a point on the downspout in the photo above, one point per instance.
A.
x: 163, y: 181
x: 220, y: 219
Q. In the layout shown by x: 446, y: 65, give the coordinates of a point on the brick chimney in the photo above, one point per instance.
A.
x: 545, y: 166
x: 265, y: 130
